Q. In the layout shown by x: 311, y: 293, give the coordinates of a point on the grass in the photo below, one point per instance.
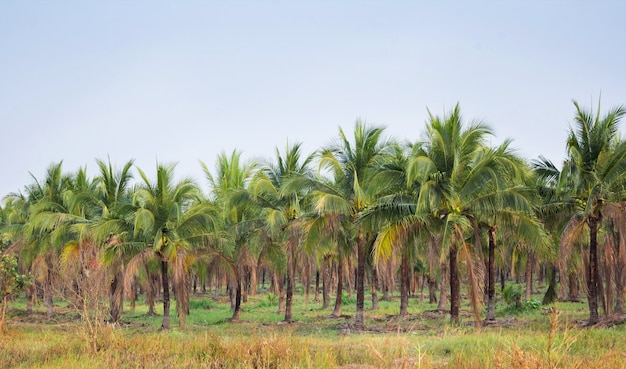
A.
x: 535, y: 338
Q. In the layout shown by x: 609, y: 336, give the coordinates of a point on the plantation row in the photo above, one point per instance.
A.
x: 438, y: 212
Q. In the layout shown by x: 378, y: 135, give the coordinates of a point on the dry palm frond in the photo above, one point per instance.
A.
x: 182, y: 281
x: 572, y: 235
x: 475, y: 271
x: 135, y: 265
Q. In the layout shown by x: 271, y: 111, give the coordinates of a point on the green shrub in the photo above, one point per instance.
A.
x: 513, y: 296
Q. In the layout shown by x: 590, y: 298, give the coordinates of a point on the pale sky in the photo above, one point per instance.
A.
x: 182, y: 81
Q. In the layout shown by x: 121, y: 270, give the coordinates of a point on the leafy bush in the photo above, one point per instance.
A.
x: 532, y: 304
x: 513, y: 296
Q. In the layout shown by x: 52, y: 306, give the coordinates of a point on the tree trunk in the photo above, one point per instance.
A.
x: 47, y: 299
x: 254, y: 281
x: 619, y: 283
x: 455, y: 286
x: 326, y: 283
x: 116, y: 295
x: 443, y: 295
x: 133, y: 294
x: 237, y: 307
x: 374, y: 288
x: 607, y: 290
x: 216, y: 291
x: 337, y: 310
x: 550, y: 295
x: 592, y: 281
x: 432, y: 290
x: 359, y: 321
x: 166, y: 293
x: 317, y: 286
x: 149, y: 291
x: 291, y: 260
x: 404, y: 283
x: 306, y: 279
x: 281, y: 294
x: 529, y: 276
x: 244, y: 284
x: 491, y: 280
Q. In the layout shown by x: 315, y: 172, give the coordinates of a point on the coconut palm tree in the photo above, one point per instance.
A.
x: 42, y: 233
x: 282, y: 207
x: 598, y: 156
x: 400, y: 230
x: 515, y: 197
x: 458, y: 174
x: 238, y: 220
x: 351, y: 165
x: 169, y: 220
x: 112, y: 199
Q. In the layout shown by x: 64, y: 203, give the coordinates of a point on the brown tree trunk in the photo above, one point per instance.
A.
x: 432, y: 290
x: 443, y: 295
x: 237, y: 306
x: 455, y: 286
x: 491, y: 279
x: 316, y: 298
x: 47, y: 299
x: 216, y: 291
x: 619, y: 281
x: 291, y: 260
x: 116, y: 295
x: 404, y: 283
x: 374, y: 288
x: 281, y: 294
x: 359, y: 320
x: 306, y: 279
x: 337, y: 310
x: 326, y: 282
x: 592, y: 281
x: 166, y: 293
x: 529, y: 276
x: 244, y: 283
x: 254, y: 281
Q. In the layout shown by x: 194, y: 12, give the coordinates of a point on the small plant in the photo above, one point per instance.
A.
x: 513, y: 296
x: 347, y: 300
x: 532, y: 304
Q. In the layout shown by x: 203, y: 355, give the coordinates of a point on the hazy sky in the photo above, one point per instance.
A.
x: 182, y: 81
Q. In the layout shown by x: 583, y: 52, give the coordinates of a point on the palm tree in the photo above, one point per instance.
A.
x: 169, y: 219
x: 112, y: 198
x: 282, y: 207
x: 459, y: 181
x: 46, y: 218
x: 598, y: 156
x: 351, y: 165
x: 393, y: 216
x: 238, y: 221
x: 513, y: 214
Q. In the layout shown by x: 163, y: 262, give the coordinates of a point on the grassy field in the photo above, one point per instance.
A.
x: 543, y: 337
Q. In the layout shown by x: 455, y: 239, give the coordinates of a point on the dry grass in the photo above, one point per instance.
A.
x: 550, y: 339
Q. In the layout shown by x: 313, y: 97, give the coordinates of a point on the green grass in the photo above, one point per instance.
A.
x: 209, y: 340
